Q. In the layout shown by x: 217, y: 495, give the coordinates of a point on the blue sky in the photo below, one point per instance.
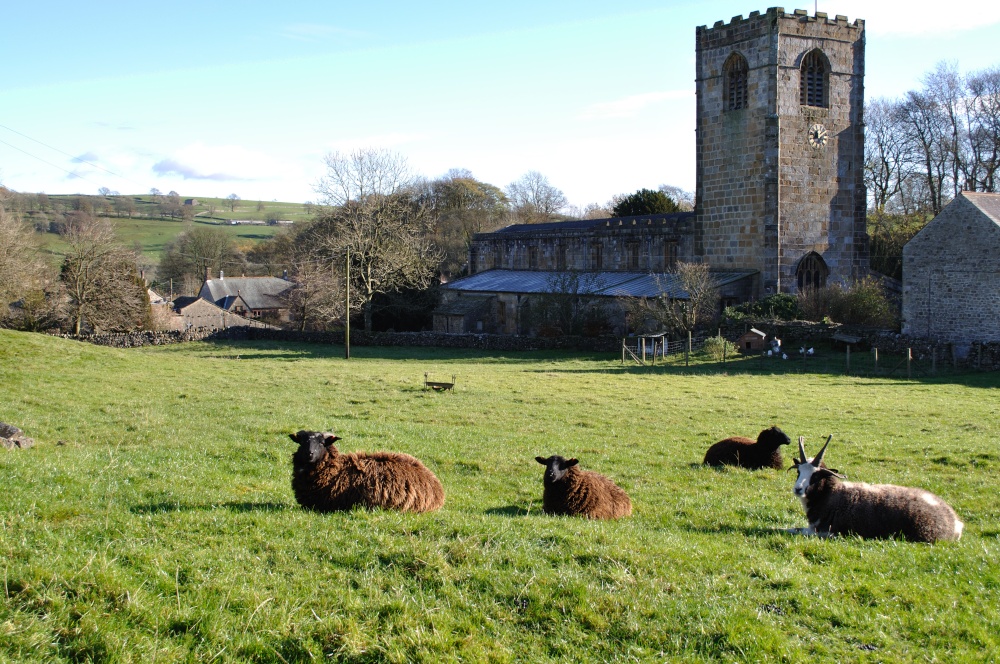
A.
x: 213, y: 98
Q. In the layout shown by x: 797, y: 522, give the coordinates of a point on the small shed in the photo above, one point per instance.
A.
x: 752, y: 341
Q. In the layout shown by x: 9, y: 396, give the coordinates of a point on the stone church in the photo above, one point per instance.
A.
x: 780, y: 196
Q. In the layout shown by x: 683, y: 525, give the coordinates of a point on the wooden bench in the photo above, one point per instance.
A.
x: 438, y: 385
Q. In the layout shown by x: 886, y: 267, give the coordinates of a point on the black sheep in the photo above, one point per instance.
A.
x: 745, y: 453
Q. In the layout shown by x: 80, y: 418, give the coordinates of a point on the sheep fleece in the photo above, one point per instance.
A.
x: 586, y: 493
x: 389, y: 480
x: 878, y: 510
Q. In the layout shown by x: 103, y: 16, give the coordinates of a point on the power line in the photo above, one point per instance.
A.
x: 71, y: 173
x: 55, y: 149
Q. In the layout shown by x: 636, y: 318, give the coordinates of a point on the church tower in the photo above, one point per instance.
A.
x: 780, y: 145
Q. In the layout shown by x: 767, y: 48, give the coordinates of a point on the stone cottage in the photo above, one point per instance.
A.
x: 951, y: 274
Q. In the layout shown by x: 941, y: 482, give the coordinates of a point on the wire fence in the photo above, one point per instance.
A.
x: 829, y: 357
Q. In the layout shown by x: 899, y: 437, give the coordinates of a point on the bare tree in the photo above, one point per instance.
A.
x: 101, y: 279
x: 317, y: 301
x: 683, y: 197
x: 676, y: 314
x: 983, y: 95
x: 377, y: 221
x: 191, y: 253
x: 461, y: 206
x: 885, y: 153
x: 232, y: 200
x: 26, y: 279
x: 533, y: 199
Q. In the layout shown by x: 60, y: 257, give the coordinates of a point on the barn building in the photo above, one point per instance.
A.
x: 951, y: 274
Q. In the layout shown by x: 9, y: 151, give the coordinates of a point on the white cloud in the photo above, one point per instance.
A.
x: 632, y: 105
x: 915, y: 17
x: 198, y: 161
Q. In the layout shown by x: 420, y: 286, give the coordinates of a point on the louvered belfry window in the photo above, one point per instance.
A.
x: 736, y: 71
x: 813, y: 80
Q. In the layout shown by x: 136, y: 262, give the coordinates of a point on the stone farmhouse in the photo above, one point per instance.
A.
x: 779, y: 185
x: 951, y: 274
x: 250, y: 297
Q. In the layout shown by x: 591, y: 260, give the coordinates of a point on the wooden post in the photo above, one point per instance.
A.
x: 687, y: 351
x: 909, y: 359
x: 642, y: 341
x: 347, y: 310
x: 934, y: 361
x: 875, y: 353
x: 848, y: 358
x: 723, y: 349
x: 623, y: 350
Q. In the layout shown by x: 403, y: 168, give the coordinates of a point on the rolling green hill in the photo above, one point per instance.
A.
x: 150, y: 232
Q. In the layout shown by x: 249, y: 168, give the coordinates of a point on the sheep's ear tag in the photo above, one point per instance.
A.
x: 542, y: 461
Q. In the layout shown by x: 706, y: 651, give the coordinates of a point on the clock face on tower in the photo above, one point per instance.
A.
x: 818, y: 136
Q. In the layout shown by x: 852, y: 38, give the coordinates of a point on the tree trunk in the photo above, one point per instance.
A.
x: 368, y: 315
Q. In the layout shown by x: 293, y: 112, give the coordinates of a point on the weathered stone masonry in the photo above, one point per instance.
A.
x: 769, y: 192
x: 951, y: 273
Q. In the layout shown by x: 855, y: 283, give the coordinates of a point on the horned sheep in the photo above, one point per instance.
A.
x: 739, y: 451
x: 871, y: 511
x: 572, y: 491
x: 326, y: 480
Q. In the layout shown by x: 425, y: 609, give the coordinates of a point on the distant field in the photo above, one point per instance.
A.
x: 152, y: 233
x: 155, y: 520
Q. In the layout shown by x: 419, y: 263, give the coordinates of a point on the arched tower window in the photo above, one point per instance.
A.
x: 812, y: 272
x: 735, y: 74
x: 814, y: 79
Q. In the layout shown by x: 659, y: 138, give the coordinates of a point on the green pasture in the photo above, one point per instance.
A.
x: 154, y: 519
x: 153, y: 235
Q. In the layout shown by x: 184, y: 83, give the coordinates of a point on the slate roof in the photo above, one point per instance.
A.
x: 184, y: 301
x: 608, y: 284
x: 989, y: 204
x: 257, y: 292
x: 586, y: 224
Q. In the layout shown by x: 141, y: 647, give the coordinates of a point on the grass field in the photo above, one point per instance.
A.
x: 154, y: 520
x: 151, y: 233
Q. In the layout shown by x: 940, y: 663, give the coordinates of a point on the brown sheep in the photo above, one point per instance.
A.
x: 326, y: 480
x: 572, y: 491
x: 745, y: 453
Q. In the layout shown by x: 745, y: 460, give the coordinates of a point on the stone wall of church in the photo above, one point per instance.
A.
x: 951, y: 277
x: 736, y: 165
x: 766, y: 196
x: 821, y: 184
x: 637, y: 244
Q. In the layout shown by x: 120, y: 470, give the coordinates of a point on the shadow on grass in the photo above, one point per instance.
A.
x: 252, y: 349
x: 727, y: 529
x: 162, y: 508
x: 512, y: 511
